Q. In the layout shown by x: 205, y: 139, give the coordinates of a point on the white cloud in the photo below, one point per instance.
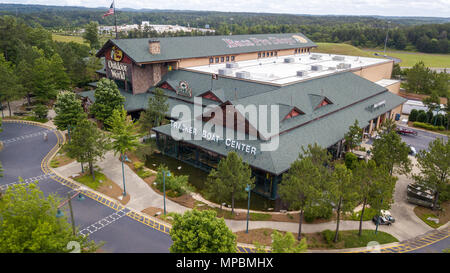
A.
x: 433, y: 8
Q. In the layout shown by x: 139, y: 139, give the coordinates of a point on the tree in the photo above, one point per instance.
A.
x: 156, y: 111
x: 216, y: 188
x: 10, y: 89
x: 235, y: 176
x: 432, y: 102
x: 413, y: 115
x: 391, y: 151
x: 301, y: 186
x: 68, y: 110
x: 286, y: 243
x: 123, y: 136
x: 343, y: 192
x: 88, y: 144
x: 434, y: 166
x: 107, y: 98
x: 370, y: 179
x: 440, y: 83
x: 58, y: 72
x: 397, y: 72
x: 381, y: 194
x: 354, y: 136
x: 418, y: 79
x: 201, y: 232
x: 90, y: 35
x: 28, y: 223
x: 40, y: 111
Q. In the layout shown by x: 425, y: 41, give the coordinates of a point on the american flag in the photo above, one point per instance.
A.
x: 110, y: 11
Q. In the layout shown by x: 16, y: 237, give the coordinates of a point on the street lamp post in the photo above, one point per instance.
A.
x: 248, y: 189
x: 385, y: 42
x: 164, y: 188
x: 378, y: 218
x: 123, y: 178
x: 59, y: 213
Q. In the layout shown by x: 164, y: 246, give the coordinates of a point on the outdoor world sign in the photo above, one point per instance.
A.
x: 118, y: 71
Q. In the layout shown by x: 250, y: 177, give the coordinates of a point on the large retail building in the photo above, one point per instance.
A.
x: 317, y: 96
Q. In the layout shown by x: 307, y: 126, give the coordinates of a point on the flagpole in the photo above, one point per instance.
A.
x: 115, y: 17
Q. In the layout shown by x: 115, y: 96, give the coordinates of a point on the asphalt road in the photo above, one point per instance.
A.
x: 23, y: 152
x: 421, y: 141
x: 437, y: 247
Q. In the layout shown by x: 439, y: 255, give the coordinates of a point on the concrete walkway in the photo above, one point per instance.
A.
x: 142, y: 195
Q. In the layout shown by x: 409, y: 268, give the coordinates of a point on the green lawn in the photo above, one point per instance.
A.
x: 67, y: 39
x: 344, y: 49
x: 76, y: 39
x: 89, y: 181
x: 409, y: 59
x: 350, y: 238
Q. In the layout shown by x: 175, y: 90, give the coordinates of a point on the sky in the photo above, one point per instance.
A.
x: 425, y: 8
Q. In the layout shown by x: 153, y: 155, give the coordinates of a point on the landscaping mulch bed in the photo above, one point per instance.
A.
x: 443, y: 215
x: 61, y: 160
x: 316, y: 240
x: 109, y: 188
x: 263, y: 237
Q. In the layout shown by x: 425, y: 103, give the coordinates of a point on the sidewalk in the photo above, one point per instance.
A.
x: 142, y: 196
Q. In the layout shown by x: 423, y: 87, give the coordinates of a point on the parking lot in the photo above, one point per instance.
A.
x: 420, y: 142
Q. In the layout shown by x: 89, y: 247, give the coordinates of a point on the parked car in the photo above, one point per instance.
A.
x: 383, y: 221
x: 388, y: 216
x: 412, y: 150
x: 406, y: 131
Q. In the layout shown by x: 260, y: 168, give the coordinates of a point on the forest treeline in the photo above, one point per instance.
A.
x: 404, y: 33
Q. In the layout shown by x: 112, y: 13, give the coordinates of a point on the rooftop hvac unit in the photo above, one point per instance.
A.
x: 302, y: 73
x: 232, y: 65
x: 316, y: 67
x: 344, y: 66
x: 316, y: 57
x: 338, y: 58
x: 243, y: 74
x: 225, y: 71
x: 289, y: 60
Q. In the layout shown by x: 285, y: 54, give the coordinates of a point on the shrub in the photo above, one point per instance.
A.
x: 413, y: 115
x: 328, y: 236
x: 309, y: 216
x: 350, y: 160
x: 322, y: 211
x: 428, y: 126
x: 138, y: 165
x: 421, y: 117
x: 178, y: 185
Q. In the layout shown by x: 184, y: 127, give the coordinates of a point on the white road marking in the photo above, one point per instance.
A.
x: 27, y: 180
x: 103, y: 222
x: 15, y: 139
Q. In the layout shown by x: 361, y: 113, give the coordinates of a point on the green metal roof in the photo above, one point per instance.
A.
x: 174, y: 48
x: 325, y: 131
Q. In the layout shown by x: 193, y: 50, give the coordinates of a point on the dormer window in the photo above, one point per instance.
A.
x: 167, y: 86
x: 293, y: 113
x: 324, y: 102
x: 210, y: 96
